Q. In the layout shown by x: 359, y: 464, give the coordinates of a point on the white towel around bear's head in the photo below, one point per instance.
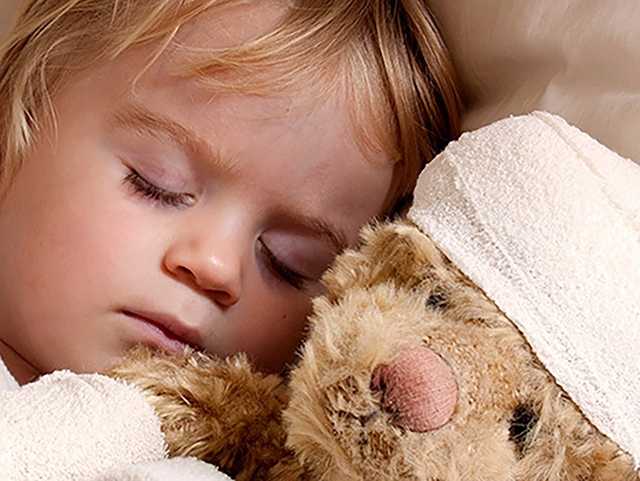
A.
x: 546, y: 221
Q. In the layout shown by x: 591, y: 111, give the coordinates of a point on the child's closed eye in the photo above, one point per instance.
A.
x: 281, y: 269
x: 295, y: 255
x: 156, y: 194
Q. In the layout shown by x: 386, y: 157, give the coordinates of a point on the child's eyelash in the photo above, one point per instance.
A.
x: 154, y: 193
x: 281, y: 270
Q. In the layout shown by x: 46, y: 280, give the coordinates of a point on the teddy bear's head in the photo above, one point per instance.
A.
x: 412, y: 373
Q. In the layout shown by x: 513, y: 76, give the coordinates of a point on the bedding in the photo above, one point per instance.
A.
x: 88, y: 427
x: 579, y: 59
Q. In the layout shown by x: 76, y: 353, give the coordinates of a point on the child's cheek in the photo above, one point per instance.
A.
x: 78, y: 238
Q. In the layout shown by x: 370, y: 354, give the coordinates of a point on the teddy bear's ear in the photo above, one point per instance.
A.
x: 395, y: 252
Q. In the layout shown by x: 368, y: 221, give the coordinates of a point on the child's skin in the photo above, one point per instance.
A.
x: 81, y: 250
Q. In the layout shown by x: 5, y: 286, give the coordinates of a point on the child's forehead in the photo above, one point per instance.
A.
x: 131, y: 82
x: 158, y: 86
x: 204, y: 39
x: 231, y: 26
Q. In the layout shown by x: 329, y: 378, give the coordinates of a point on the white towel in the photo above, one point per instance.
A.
x: 547, y: 222
x: 68, y: 427
x: 85, y: 427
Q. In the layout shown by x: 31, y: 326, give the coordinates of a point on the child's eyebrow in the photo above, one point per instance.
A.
x: 139, y: 118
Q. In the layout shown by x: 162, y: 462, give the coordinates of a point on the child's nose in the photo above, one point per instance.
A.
x: 211, y: 267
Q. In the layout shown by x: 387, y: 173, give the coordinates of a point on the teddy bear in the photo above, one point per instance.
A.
x: 416, y: 366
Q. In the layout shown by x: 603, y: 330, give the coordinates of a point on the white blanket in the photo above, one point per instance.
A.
x: 547, y: 222
x: 69, y: 427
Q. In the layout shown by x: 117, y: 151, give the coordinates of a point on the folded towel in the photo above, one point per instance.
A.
x: 71, y: 427
x: 547, y: 222
x: 67, y: 427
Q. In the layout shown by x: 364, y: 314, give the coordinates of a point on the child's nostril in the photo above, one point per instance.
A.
x: 419, y: 388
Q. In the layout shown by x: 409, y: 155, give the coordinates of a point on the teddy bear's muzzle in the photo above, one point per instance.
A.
x: 418, y: 388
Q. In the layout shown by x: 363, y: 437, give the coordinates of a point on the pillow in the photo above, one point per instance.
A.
x: 7, y: 14
x: 576, y: 58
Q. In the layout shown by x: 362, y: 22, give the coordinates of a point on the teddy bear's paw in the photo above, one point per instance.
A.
x: 220, y: 411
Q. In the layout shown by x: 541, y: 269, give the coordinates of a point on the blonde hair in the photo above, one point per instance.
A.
x: 389, y: 54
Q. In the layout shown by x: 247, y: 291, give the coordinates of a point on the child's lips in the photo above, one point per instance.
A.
x: 165, y: 331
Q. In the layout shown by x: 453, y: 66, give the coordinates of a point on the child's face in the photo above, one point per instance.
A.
x: 92, y: 245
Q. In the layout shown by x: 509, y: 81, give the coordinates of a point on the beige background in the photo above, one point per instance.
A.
x: 577, y: 58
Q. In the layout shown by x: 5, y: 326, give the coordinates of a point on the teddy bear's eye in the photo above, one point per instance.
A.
x: 437, y: 300
x: 523, y: 421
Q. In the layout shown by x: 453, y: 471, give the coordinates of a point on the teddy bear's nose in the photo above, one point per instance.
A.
x: 419, y: 388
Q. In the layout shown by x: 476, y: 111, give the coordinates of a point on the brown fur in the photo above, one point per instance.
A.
x: 222, y: 412
x: 511, y: 422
